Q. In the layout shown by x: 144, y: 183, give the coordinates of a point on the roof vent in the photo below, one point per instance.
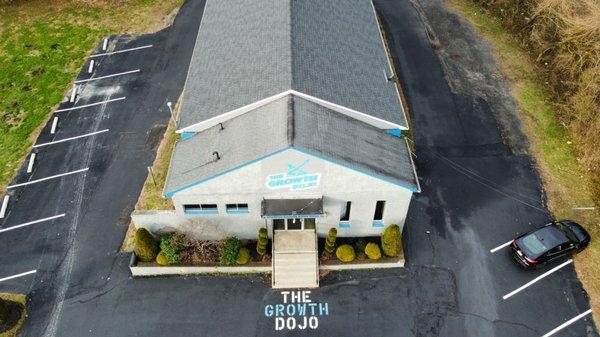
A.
x: 217, y: 155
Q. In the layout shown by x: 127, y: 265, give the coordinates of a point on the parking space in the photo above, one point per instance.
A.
x: 548, y: 276
x: 65, y: 214
x: 42, y: 212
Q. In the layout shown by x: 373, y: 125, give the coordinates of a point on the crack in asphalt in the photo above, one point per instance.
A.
x: 496, y: 321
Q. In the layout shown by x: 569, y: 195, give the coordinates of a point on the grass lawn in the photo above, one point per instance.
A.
x: 22, y: 300
x: 565, y: 182
x: 42, y: 47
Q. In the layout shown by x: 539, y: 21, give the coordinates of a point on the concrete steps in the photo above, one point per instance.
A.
x: 295, y: 265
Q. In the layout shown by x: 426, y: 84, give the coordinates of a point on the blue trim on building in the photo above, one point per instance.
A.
x: 238, y: 211
x: 344, y: 224
x: 187, y: 135
x: 394, y: 132
x: 301, y: 150
x: 201, y: 212
x: 294, y: 216
x: 170, y: 193
x: 388, y: 180
x: 377, y: 224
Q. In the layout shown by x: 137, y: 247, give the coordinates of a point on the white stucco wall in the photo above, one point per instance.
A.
x: 247, y: 185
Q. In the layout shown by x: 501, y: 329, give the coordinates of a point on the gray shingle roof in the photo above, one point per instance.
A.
x: 290, y: 122
x: 248, y: 50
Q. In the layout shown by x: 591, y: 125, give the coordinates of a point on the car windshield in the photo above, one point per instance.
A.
x: 568, y: 232
x: 533, y: 246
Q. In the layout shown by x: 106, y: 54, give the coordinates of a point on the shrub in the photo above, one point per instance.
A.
x: 373, y: 252
x: 161, y: 259
x: 330, y: 240
x: 390, y: 240
x: 263, y: 240
x: 360, y: 245
x: 229, y: 251
x: 361, y: 256
x: 243, y: 256
x: 4, y: 311
x: 146, y: 248
x: 345, y: 253
x: 172, y: 245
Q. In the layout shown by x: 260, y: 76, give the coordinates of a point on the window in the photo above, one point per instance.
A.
x: 294, y: 224
x: 279, y: 224
x: 345, y: 215
x: 236, y: 208
x: 379, y: 208
x: 200, y: 209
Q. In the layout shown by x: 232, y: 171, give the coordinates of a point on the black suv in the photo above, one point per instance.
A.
x: 550, y: 242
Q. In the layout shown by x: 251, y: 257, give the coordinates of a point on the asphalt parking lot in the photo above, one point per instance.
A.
x: 62, y: 235
x: 65, y: 219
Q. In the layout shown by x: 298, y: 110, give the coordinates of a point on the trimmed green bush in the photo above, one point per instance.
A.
x: 373, y: 252
x: 229, y: 251
x: 345, y: 253
x: 162, y: 259
x: 243, y: 256
x: 330, y: 240
x: 263, y: 233
x: 146, y: 248
x: 171, y: 246
x: 390, y: 240
x: 4, y: 311
x: 360, y: 245
x: 263, y: 240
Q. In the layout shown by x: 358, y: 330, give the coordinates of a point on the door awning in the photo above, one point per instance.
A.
x: 292, y: 208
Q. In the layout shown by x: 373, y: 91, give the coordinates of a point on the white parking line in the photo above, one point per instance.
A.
x: 500, y: 247
x: 537, y: 279
x: 70, y: 138
x: 91, y: 104
x: 121, y: 51
x: 18, y: 275
x: 31, y: 223
x: 567, y: 323
x: 107, y: 76
x: 48, y: 178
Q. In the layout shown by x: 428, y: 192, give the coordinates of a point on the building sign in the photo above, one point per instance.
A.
x: 297, y: 312
x: 296, y: 178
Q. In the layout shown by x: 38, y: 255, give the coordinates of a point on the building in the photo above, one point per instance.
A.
x: 289, y: 121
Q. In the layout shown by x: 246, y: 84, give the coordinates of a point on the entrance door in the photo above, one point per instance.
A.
x: 296, y: 224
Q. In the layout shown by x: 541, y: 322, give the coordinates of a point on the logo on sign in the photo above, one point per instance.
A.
x: 295, y: 179
x: 297, y: 312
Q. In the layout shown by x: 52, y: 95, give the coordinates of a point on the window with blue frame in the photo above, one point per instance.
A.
x: 236, y: 208
x: 201, y: 209
x: 345, y: 215
x: 378, y: 216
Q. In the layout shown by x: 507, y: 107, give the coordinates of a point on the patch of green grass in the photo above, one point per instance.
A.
x: 566, y: 184
x: 42, y: 47
x: 37, y: 64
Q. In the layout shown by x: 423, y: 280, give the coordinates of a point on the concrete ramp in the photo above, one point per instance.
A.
x: 295, y: 260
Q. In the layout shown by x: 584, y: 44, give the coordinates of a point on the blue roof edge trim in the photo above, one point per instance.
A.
x: 187, y: 135
x: 185, y: 187
x: 356, y: 169
x: 301, y: 150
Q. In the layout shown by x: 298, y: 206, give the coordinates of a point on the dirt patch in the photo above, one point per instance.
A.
x: 155, y: 136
